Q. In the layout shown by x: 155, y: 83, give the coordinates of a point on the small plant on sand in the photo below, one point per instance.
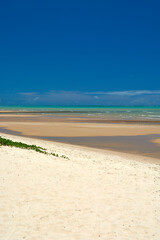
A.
x: 8, y: 142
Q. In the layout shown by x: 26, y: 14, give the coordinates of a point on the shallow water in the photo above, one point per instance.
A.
x: 102, y: 112
x: 140, y: 144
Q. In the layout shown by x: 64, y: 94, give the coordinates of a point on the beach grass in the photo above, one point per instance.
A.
x: 8, y: 142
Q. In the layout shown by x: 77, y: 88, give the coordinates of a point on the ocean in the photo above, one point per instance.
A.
x: 100, y: 112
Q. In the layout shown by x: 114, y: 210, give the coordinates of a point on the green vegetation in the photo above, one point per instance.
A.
x: 8, y: 142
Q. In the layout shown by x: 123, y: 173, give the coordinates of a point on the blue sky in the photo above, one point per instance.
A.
x: 66, y: 52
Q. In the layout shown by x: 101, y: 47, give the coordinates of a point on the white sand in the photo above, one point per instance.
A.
x: 94, y: 195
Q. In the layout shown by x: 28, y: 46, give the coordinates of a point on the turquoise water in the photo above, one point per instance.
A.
x: 119, y: 113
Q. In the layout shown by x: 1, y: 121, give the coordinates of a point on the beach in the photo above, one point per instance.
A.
x: 92, y: 195
x: 106, y: 187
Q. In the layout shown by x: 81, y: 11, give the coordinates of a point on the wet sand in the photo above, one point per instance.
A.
x: 136, y: 137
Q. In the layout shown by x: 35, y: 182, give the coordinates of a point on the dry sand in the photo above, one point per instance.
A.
x: 157, y: 141
x: 93, y: 195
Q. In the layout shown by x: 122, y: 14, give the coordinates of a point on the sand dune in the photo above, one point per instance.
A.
x: 93, y: 195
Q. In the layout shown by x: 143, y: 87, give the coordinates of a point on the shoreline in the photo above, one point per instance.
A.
x: 130, y: 138
x: 125, y: 155
x: 70, y: 118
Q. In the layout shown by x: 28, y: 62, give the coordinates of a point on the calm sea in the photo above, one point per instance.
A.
x: 103, y: 112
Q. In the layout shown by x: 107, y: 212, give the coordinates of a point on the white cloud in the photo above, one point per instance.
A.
x: 126, y: 93
x: 124, y: 98
x: 27, y: 93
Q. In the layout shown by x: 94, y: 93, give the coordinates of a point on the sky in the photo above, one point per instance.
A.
x: 79, y: 52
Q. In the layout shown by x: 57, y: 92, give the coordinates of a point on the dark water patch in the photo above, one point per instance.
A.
x: 141, y: 144
x: 7, y: 131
